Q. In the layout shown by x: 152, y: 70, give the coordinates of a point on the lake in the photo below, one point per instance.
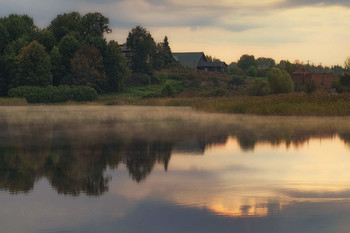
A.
x: 170, y: 169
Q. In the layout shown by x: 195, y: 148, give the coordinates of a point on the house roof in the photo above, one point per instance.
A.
x: 212, y: 64
x: 301, y: 71
x: 189, y: 60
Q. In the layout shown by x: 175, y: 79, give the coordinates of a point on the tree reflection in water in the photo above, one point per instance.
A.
x: 73, y: 153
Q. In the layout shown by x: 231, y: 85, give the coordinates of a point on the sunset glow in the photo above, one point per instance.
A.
x: 310, y: 31
x: 252, y: 183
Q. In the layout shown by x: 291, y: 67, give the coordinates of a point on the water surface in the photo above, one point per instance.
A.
x: 171, y: 169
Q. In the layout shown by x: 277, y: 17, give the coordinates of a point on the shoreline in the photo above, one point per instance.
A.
x: 294, y: 104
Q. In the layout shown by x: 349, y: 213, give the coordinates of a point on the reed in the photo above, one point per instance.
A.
x: 12, y: 101
x: 299, y: 104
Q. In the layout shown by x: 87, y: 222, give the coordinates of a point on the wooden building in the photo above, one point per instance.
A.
x: 198, y: 61
x: 322, y: 80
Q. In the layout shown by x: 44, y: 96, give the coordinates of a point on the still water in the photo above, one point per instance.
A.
x: 171, y: 169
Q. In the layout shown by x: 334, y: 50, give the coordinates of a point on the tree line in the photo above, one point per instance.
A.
x: 72, y: 50
x: 263, y: 67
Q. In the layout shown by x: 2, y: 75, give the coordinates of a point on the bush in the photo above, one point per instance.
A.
x: 280, y: 81
x: 258, y: 88
x: 218, y: 92
x: 310, y: 86
x: 139, y: 79
x: 167, y: 90
x: 157, y: 79
x: 236, y: 80
x: 53, y: 94
x: 252, y: 71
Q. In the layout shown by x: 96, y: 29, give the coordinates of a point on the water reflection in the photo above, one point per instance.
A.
x: 163, y: 166
x: 73, y: 146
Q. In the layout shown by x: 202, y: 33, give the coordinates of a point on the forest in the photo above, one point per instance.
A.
x: 71, y: 60
x: 72, y: 50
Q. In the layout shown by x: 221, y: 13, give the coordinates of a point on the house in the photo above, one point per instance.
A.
x: 198, y: 61
x: 322, y: 80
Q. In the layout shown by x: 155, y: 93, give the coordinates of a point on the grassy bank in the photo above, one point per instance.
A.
x: 297, y: 104
x: 12, y: 101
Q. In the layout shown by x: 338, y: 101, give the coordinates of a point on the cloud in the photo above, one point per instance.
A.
x: 301, y: 3
x: 317, y: 195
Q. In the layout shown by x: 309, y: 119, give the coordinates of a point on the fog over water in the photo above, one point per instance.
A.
x: 171, y: 169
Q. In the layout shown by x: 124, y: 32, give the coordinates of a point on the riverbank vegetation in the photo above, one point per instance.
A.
x: 71, y: 60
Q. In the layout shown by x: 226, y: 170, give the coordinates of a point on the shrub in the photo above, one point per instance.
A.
x: 236, y: 80
x: 252, y: 71
x: 53, y: 94
x: 157, y: 79
x: 258, y: 88
x: 139, y: 79
x: 310, y: 86
x: 280, y: 81
x: 218, y: 92
x: 167, y: 90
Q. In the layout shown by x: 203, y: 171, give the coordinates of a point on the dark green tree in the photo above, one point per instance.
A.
x: 258, y: 87
x: 265, y: 63
x: 8, y: 69
x: 115, y: 67
x: 252, y: 71
x: 87, y: 68
x: 3, y: 78
x: 18, y: 44
x: 163, y: 57
x: 99, y: 42
x: 19, y: 25
x: 246, y: 61
x: 288, y: 66
x: 234, y: 69
x: 68, y: 23
x: 33, y: 66
x: 95, y: 25
x: 280, y: 81
x: 4, y: 37
x: 168, y: 57
x: 212, y: 59
x: 67, y: 47
x: 143, y: 48
x: 46, y: 38
x: 57, y: 67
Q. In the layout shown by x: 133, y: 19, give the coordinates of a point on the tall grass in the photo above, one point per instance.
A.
x: 12, y: 101
x: 316, y: 104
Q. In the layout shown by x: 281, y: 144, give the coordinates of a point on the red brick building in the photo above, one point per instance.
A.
x: 322, y: 80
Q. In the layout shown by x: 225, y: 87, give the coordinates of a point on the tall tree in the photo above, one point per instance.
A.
x: 19, y: 25
x: 280, y: 81
x: 33, y: 66
x: 4, y: 37
x: 57, y: 67
x: 167, y: 52
x: 98, y: 42
x: 94, y: 25
x: 143, y: 48
x: 246, y: 61
x: 116, y: 70
x: 8, y: 69
x: 68, y: 23
x: 288, y: 66
x: 163, y: 57
x: 265, y: 63
x: 88, y: 69
x: 46, y: 38
x: 3, y: 78
x: 67, y: 47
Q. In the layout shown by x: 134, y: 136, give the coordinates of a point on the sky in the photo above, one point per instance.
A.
x: 311, y: 31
